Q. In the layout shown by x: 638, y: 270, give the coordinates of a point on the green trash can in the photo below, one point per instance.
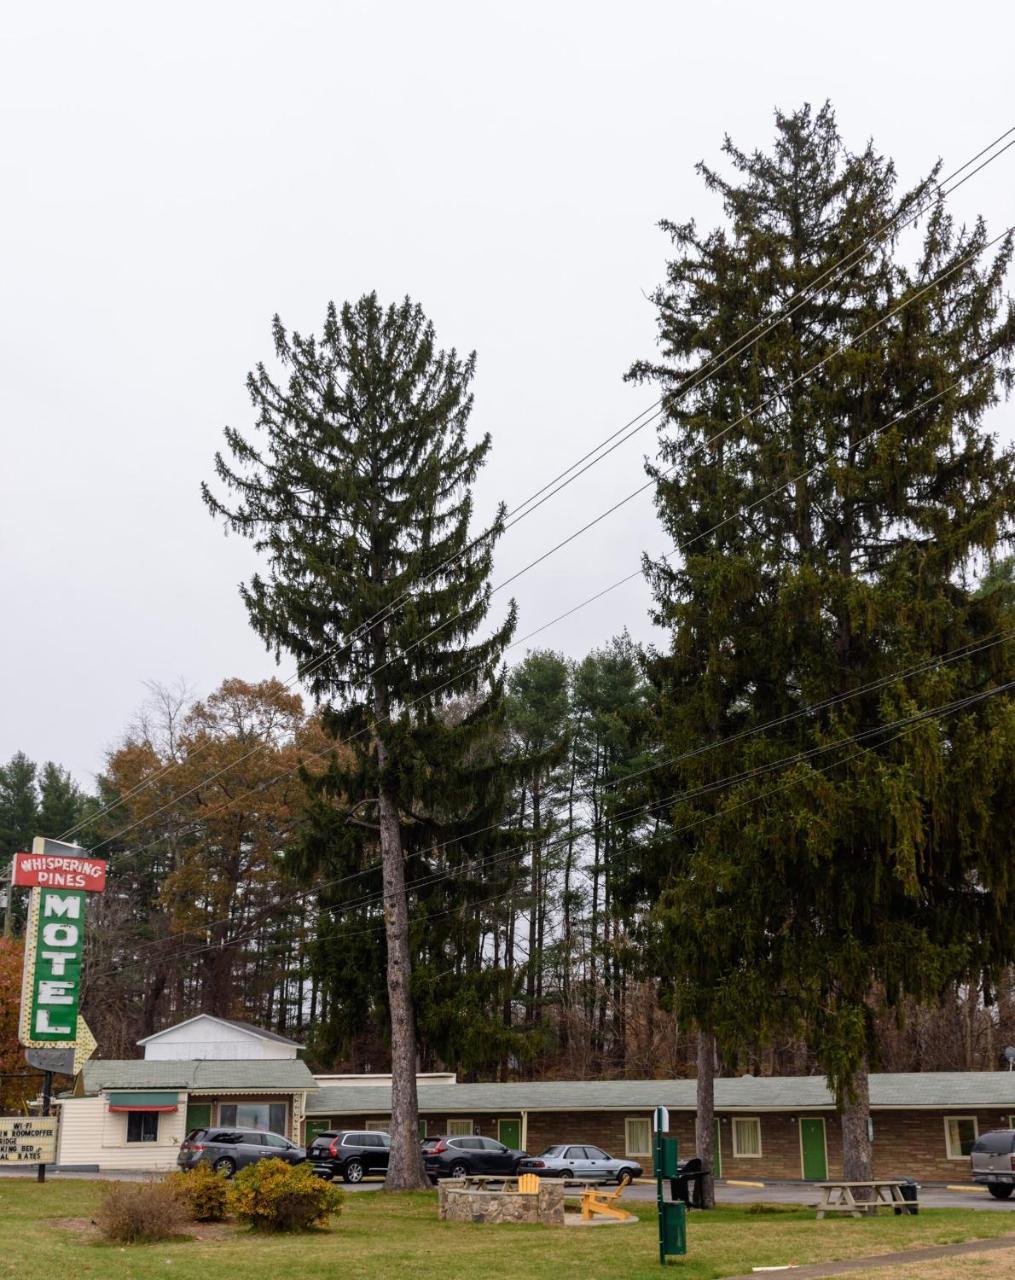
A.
x: 672, y: 1228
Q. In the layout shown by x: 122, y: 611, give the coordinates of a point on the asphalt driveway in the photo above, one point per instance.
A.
x: 932, y: 1195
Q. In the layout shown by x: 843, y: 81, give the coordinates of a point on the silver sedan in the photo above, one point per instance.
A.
x: 585, y: 1163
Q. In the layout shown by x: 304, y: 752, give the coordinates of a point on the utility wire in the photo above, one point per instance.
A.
x: 801, y: 757
x: 226, y: 804
x: 956, y: 266
x: 732, y: 351
x: 971, y: 649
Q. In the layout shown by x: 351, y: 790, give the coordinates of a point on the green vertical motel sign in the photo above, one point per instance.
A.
x: 51, y: 982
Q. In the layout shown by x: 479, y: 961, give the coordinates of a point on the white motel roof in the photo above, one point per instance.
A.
x: 935, y: 1090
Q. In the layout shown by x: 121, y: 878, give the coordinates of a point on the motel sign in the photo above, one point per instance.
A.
x: 60, y: 881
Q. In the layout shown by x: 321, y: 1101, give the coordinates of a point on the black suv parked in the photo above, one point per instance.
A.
x: 349, y: 1153
x: 227, y: 1150
x: 455, y: 1157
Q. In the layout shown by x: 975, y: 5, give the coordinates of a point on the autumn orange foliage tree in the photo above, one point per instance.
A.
x: 201, y: 913
x: 16, y: 1084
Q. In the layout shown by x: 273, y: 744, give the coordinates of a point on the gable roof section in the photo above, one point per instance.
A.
x: 247, y: 1027
x: 268, y: 1075
x: 937, y: 1090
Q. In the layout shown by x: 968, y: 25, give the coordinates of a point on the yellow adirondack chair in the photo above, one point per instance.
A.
x: 594, y: 1202
x: 528, y: 1182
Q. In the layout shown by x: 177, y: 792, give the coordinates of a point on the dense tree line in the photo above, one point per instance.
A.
x: 204, y: 911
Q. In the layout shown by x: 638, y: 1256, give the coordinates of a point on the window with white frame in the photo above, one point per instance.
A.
x: 746, y: 1136
x: 460, y: 1128
x: 637, y: 1136
x: 378, y: 1126
x: 960, y: 1134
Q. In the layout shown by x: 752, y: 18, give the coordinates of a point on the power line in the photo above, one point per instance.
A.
x: 904, y: 723
x: 971, y: 649
x: 712, y: 365
x: 843, y: 346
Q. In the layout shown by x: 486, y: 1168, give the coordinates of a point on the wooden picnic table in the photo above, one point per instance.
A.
x: 882, y: 1193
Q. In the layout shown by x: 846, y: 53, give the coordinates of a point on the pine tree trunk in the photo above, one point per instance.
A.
x: 857, y: 1161
x: 704, y: 1119
x: 566, y: 968
x: 405, y: 1163
x: 530, y: 977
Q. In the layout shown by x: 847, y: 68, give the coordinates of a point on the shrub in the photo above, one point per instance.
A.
x: 275, y: 1196
x: 202, y: 1192
x: 140, y: 1212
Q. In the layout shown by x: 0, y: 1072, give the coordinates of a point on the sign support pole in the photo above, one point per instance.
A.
x: 47, y: 1093
x: 657, y: 1159
x: 8, y: 904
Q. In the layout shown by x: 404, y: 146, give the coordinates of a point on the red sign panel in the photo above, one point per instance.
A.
x: 59, y: 871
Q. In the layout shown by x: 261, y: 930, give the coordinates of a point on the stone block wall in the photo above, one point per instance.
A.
x: 458, y: 1203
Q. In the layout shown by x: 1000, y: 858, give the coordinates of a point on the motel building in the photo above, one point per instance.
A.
x: 133, y: 1114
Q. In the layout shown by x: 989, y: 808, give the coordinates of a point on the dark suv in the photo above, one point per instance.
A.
x: 227, y: 1150
x: 351, y: 1154
x: 455, y: 1157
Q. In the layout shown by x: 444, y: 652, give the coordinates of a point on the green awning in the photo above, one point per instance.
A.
x: 135, y: 1100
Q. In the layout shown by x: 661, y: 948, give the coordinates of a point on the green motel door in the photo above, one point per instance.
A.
x: 198, y: 1115
x: 314, y: 1127
x: 813, y: 1157
x: 510, y: 1133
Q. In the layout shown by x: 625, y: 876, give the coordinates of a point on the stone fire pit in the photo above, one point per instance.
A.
x: 474, y: 1200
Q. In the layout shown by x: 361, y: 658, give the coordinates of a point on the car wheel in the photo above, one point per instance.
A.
x: 225, y: 1165
x: 459, y: 1169
x: 624, y: 1173
x: 353, y: 1171
x: 1000, y: 1190
x: 565, y: 1173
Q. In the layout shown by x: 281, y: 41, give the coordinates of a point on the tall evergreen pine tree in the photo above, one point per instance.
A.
x: 881, y: 868
x: 61, y: 803
x: 358, y: 493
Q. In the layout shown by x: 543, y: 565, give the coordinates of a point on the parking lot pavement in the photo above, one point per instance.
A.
x: 932, y: 1196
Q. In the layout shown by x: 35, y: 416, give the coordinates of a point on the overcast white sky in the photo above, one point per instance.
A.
x: 173, y: 175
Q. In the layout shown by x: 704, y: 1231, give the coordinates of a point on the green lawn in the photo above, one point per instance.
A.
x: 379, y: 1236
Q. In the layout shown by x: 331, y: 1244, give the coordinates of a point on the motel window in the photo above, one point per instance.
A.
x: 637, y: 1137
x: 460, y: 1128
x: 253, y: 1115
x: 378, y: 1126
x: 142, y: 1126
x: 960, y: 1134
x: 746, y: 1136
x: 422, y: 1128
